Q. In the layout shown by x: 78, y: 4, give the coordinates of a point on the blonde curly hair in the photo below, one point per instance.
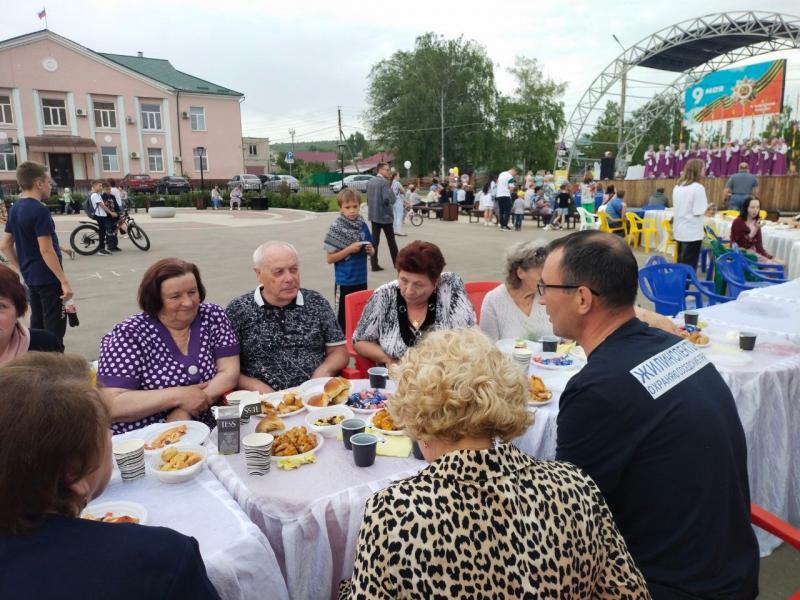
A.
x: 456, y: 383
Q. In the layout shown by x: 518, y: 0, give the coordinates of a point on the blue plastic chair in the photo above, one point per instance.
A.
x: 735, y: 269
x: 656, y: 259
x: 668, y: 285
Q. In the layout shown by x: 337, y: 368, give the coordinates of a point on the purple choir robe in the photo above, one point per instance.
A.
x: 779, y: 160
x: 703, y: 155
x: 733, y: 161
x: 662, y: 164
x: 764, y: 162
x: 753, y: 160
x: 714, y: 162
x: 649, y: 164
x: 680, y: 162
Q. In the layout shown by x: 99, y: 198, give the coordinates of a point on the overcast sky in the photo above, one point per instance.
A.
x: 295, y: 61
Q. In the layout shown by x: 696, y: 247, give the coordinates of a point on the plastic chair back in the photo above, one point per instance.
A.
x: 665, y: 286
x: 656, y: 259
x: 588, y: 220
x: 353, y: 308
x: 731, y: 267
x: 606, y: 226
x: 477, y: 290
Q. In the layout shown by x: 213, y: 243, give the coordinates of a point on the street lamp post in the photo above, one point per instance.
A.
x: 341, y: 154
x: 201, y: 151
x: 291, y: 133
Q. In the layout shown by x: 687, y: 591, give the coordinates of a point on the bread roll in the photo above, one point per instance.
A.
x: 269, y: 424
x: 335, y: 391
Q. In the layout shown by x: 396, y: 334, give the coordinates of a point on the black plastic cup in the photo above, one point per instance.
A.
x: 365, y: 447
x: 747, y: 341
x: 351, y: 427
x: 378, y: 377
x: 416, y: 451
x: 690, y: 317
x: 550, y: 343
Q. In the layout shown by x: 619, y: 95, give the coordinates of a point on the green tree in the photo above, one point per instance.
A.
x: 358, y: 145
x: 530, y: 120
x: 409, y: 92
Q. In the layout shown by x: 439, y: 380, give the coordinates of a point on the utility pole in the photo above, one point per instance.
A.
x: 291, y: 133
x: 344, y: 144
x: 441, y: 115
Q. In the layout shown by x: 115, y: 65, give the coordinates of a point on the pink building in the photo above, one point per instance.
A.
x: 89, y: 115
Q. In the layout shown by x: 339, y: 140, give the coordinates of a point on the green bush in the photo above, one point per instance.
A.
x: 301, y: 201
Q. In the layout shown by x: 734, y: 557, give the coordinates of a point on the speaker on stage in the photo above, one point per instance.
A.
x: 607, y: 166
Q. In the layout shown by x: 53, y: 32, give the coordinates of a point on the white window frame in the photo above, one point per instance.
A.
x: 155, y: 159
x: 253, y: 149
x: 51, y: 112
x: 105, y: 117
x: 197, y: 117
x: 6, y: 114
x: 151, y: 119
x: 110, y: 161
x: 196, y: 160
x: 8, y: 158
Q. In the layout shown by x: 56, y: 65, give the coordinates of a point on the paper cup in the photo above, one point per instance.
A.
x: 690, y: 317
x: 351, y: 427
x: 747, y: 341
x: 239, y: 396
x: 378, y: 377
x: 129, y: 456
x: 550, y: 343
x: 365, y: 447
x: 257, y: 452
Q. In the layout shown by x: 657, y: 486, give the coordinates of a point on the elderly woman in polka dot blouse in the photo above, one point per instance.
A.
x: 174, y: 359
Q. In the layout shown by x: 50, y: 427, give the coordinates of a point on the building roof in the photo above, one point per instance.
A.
x: 312, y: 156
x: 71, y: 144
x: 162, y: 71
x: 368, y: 163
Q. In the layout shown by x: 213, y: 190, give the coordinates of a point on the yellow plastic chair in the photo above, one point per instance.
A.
x: 729, y: 213
x: 605, y: 226
x: 634, y: 229
x: 666, y: 224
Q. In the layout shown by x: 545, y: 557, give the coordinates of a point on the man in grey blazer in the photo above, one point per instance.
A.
x: 380, y: 201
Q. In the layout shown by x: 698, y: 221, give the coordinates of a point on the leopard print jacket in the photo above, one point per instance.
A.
x: 492, y: 524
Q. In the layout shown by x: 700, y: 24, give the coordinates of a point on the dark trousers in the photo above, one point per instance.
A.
x: 341, y: 292
x: 518, y: 222
x: 376, y: 240
x: 47, y: 310
x: 102, y: 225
x: 111, y: 232
x: 689, y: 252
x: 504, y: 203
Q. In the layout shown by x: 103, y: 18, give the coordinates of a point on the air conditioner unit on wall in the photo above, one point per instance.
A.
x: 80, y: 112
x: 178, y: 159
x: 134, y: 155
x: 7, y: 140
x: 184, y: 115
x: 130, y: 121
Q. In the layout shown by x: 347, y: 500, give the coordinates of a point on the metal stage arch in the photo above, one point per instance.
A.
x: 692, y: 49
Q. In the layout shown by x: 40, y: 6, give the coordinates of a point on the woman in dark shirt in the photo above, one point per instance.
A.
x: 52, y: 463
x: 746, y: 231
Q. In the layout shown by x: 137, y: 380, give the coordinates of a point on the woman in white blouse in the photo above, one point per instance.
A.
x: 689, y: 204
x: 510, y: 310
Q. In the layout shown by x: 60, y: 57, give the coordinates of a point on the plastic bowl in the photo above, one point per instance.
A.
x: 154, y: 461
x: 328, y: 431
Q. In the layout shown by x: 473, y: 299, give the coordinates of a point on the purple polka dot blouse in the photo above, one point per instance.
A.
x: 140, y: 354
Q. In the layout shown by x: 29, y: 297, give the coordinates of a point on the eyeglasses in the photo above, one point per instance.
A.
x: 542, y: 287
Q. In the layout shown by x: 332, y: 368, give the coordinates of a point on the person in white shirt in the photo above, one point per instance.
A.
x: 100, y: 215
x: 689, y: 204
x: 506, y: 184
x: 117, y: 194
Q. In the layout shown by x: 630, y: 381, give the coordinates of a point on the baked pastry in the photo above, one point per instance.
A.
x: 336, y: 391
x: 539, y: 391
x: 169, y: 436
x: 270, y: 424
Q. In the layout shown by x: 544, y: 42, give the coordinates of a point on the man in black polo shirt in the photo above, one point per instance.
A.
x: 287, y: 334
x: 652, y: 422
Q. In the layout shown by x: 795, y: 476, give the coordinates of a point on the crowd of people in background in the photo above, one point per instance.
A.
x: 721, y: 159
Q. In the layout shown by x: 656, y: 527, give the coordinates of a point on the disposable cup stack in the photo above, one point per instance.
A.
x: 130, y: 459
x: 257, y: 453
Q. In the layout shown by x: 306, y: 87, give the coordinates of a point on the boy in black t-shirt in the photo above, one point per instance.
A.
x: 651, y: 420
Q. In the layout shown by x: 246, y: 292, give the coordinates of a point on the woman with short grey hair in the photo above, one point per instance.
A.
x: 510, y: 310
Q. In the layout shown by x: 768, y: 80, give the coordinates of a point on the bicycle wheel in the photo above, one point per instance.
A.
x: 138, y: 237
x: 415, y: 218
x: 85, y: 239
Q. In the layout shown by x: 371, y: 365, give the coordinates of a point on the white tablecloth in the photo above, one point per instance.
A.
x: 758, y: 314
x: 782, y: 293
x: 660, y: 216
x: 311, y: 516
x: 767, y: 394
x: 238, y: 558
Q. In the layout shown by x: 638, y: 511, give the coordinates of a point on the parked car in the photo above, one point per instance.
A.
x: 138, y: 184
x: 273, y: 183
x: 172, y: 184
x: 357, y: 182
x: 248, y: 183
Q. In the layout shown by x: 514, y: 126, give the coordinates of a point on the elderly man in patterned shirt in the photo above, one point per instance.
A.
x: 288, y: 334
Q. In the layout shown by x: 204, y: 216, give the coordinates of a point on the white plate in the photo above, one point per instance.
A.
x: 324, y: 413
x: 196, y: 433
x: 383, y: 431
x: 320, y: 441
x: 578, y: 352
x: 506, y: 345
x: 535, y: 403
x: 275, y: 399
x: 319, y: 382
x: 729, y: 359
x: 154, y: 461
x: 369, y: 411
x: 118, y: 508
x: 576, y: 364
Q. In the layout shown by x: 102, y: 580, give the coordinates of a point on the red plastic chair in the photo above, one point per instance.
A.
x: 777, y: 527
x: 353, y: 307
x: 477, y: 290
